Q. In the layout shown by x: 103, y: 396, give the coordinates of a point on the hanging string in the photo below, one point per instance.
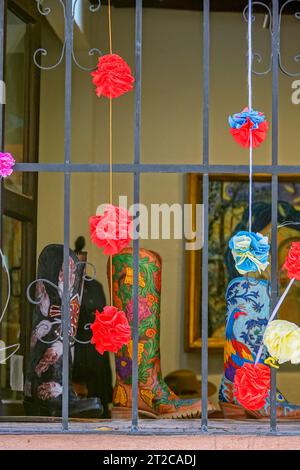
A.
x: 250, y: 55
x: 109, y: 27
x: 110, y: 150
x: 250, y: 108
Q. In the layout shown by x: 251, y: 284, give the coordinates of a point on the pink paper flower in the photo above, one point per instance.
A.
x: 112, y: 230
x: 7, y: 162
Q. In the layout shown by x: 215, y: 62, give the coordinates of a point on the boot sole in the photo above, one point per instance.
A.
x: 126, y: 413
x: 231, y: 411
x: 33, y: 409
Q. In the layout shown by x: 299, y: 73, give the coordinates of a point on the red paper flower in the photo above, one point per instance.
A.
x: 248, y: 122
x: 112, y: 230
x: 113, y: 76
x: 292, y: 262
x: 251, y: 385
x: 110, y: 329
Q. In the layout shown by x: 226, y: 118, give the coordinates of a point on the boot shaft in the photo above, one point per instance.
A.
x: 50, y: 267
x: 247, y: 314
x: 149, y: 280
x: 155, y: 398
x: 44, y: 371
x: 148, y: 311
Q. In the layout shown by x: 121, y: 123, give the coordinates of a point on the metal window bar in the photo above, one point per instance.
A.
x: 274, y: 208
x: 67, y: 177
x: 205, y: 196
x: 136, y: 168
x: 136, y: 200
x: 2, y: 61
x: 156, y: 168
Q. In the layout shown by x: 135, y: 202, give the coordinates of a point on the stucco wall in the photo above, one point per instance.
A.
x: 108, y: 442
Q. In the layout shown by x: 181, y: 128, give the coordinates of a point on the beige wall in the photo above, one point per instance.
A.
x: 171, y: 133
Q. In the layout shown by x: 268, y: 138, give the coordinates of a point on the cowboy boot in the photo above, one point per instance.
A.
x: 155, y: 398
x: 43, y: 385
x: 248, y: 311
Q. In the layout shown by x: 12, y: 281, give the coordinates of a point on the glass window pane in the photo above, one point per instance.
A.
x: 12, y: 370
x: 16, y: 82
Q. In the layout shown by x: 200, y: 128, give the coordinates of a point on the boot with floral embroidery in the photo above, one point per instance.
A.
x: 44, y: 377
x: 156, y: 399
x: 248, y: 311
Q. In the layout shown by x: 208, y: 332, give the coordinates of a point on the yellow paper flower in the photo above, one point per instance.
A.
x: 282, y: 338
x: 294, y: 345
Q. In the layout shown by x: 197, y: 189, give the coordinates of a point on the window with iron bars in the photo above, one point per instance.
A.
x: 195, y: 78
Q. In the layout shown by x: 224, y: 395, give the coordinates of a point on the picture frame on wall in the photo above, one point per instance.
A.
x: 228, y: 214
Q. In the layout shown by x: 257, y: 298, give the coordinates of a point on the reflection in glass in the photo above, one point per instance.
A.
x: 15, y: 78
x: 11, y: 373
x: 228, y: 215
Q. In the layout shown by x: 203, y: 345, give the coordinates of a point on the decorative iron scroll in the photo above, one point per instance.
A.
x: 55, y: 327
x: 296, y: 58
x: 257, y: 56
x: 45, y: 11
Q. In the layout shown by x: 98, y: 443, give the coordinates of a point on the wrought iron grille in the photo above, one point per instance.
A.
x: 136, y: 168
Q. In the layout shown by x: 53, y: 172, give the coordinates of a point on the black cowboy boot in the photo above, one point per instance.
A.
x: 43, y: 385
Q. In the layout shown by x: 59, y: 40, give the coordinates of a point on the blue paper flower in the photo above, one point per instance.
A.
x: 250, y: 251
x: 239, y: 119
x: 248, y: 122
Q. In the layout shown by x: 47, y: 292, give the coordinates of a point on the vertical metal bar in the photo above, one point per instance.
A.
x: 2, y: 61
x: 67, y: 159
x: 136, y: 200
x: 3, y: 28
x: 205, y: 200
x: 3, y: 7
x: 274, y: 286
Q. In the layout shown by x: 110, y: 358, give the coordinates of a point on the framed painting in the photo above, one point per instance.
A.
x: 228, y: 213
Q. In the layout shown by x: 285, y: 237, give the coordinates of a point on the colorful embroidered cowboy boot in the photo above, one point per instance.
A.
x: 156, y: 399
x: 43, y: 385
x: 248, y: 311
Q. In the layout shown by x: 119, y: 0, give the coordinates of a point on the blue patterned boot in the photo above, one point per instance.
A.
x: 248, y: 311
